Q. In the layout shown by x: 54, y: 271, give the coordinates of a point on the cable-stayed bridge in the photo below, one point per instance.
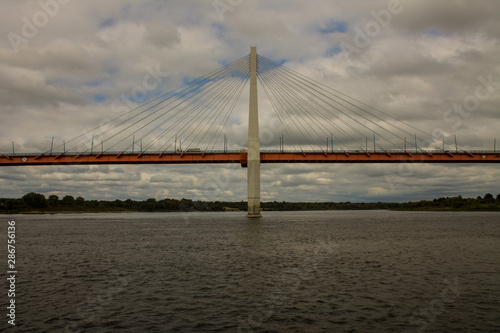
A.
x: 317, y: 124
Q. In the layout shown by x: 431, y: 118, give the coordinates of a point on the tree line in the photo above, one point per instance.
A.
x: 37, y: 202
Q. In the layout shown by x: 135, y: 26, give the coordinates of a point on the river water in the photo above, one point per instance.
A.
x: 331, y: 271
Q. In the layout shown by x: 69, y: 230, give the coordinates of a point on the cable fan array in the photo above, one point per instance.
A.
x: 193, y: 115
x: 310, y: 112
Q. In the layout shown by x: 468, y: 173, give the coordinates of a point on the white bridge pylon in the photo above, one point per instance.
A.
x: 253, y: 172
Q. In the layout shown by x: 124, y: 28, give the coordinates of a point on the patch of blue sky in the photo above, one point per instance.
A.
x: 107, y: 23
x: 149, y: 96
x: 220, y: 30
x: 190, y: 81
x: 99, y: 98
x: 226, y: 61
x: 223, y: 62
x: 239, y: 73
x: 331, y: 52
x: 282, y: 61
x: 183, y: 92
x: 333, y: 27
x: 269, y: 66
x: 112, y: 71
x: 198, y: 84
x: 155, y: 94
x: 434, y: 32
x: 126, y: 8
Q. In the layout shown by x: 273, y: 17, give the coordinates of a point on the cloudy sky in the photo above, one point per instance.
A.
x: 65, y: 67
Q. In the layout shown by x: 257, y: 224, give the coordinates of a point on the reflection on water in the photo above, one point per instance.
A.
x: 341, y: 271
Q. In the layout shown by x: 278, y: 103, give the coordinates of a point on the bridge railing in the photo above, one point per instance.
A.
x: 273, y: 151
x: 380, y: 151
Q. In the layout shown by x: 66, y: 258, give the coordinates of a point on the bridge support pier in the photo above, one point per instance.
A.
x: 253, y: 169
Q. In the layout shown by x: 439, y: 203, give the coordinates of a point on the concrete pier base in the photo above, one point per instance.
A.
x: 253, y: 208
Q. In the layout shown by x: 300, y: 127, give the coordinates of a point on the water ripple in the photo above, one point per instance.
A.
x: 288, y: 272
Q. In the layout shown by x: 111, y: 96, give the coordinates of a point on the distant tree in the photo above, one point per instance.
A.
x: 216, y: 206
x: 10, y: 204
x: 53, y: 200
x: 14, y: 204
x: 129, y: 203
x: 168, y: 204
x: 68, y: 200
x: 185, y: 204
x: 488, y: 198
x: 35, y: 200
x: 92, y: 203
x: 479, y: 198
x: 498, y: 197
x: 200, y: 205
x: 150, y: 204
x: 80, y: 201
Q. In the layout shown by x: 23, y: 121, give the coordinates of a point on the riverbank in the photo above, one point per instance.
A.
x: 84, y: 211
x: 35, y: 203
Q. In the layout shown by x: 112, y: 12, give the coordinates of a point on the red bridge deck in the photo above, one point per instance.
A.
x: 241, y: 157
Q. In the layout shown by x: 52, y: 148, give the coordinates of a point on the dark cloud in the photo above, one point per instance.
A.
x: 162, y: 35
x: 449, y: 17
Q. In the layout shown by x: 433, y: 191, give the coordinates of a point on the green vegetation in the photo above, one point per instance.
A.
x: 38, y: 203
x: 457, y: 203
